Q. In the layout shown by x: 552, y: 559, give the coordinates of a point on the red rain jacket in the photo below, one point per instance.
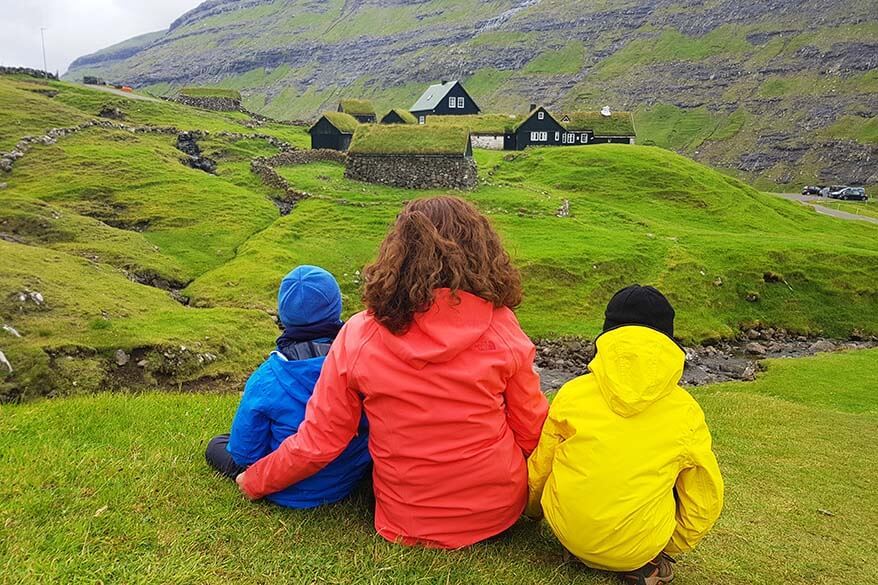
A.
x: 454, y: 408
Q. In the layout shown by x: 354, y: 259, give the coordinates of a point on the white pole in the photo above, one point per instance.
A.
x: 45, y: 64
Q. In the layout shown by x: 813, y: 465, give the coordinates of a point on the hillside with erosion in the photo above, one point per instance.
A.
x: 782, y: 93
x: 143, y: 247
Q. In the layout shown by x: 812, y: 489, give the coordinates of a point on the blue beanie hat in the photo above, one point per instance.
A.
x: 308, y: 295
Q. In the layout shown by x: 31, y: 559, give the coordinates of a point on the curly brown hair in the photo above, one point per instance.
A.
x: 437, y: 242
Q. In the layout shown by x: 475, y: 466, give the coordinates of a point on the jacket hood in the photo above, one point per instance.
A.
x: 443, y: 331
x: 636, y: 367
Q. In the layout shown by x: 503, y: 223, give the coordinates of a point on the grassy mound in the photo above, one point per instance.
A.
x: 115, y: 489
x: 110, y: 210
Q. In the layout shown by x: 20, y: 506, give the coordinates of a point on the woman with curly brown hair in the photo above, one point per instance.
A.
x: 446, y: 377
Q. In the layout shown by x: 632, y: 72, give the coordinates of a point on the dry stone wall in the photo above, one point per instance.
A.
x: 216, y: 104
x: 414, y: 171
x: 27, y: 71
x: 264, y: 168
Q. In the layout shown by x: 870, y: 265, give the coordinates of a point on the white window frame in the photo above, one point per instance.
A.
x: 541, y: 115
x: 460, y: 103
x: 534, y: 136
x: 452, y: 102
x: 422, y: 120
x: 544, y: 136
x: 584, y: 138
x: 557, y: 136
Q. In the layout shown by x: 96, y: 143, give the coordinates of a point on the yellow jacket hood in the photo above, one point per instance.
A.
x: 632, y: 379
x: 624, y: 468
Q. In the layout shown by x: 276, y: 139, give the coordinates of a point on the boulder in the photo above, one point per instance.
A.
x: 121, y: 358
x: 822, y: 346
x: 755, y: 348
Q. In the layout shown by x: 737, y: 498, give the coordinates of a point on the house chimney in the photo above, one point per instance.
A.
x: 532, y: 107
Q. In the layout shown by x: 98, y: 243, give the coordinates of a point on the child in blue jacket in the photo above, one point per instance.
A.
x: 273, y: 405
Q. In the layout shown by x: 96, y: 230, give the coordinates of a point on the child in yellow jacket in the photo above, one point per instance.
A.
x: 624, y: 471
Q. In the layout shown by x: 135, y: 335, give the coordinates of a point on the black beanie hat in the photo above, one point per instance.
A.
x: 640, y: 305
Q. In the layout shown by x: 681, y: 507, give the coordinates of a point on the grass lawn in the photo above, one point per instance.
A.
x: 114, y: 488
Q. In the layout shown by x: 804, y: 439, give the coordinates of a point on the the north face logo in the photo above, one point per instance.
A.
x: 484, y: 345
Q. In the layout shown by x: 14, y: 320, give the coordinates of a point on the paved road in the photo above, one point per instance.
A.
x: 812, y: 199
x: 114, y: 91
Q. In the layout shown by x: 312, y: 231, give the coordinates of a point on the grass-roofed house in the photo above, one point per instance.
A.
x: 487, y: 131
x: 362, y: 110
x: 397, y: 116
x: 412, y: 156
x: 541, y: 128
x: 448, y: 98
x: 333, y: 131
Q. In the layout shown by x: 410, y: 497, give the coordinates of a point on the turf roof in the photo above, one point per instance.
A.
x: 480, y: 123
x: 408, y: 139
x: 342, y: 122
x: 616, y: 124
x: 356, y: 107
x: 407, y: 117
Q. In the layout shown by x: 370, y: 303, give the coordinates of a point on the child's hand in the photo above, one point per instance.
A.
x: 240, y: 481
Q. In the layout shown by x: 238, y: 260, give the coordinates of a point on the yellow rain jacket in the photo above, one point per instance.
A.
x: 616, y: 447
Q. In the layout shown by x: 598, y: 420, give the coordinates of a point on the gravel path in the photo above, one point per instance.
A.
x: 812, y: 199
x: 119, y: 92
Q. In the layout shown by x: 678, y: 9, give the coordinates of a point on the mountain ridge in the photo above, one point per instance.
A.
x: 778, y: 92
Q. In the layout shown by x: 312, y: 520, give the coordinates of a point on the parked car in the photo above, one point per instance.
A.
x: 849, y: 194
x: 824, y: 192
x: 810, y: 190
x: 834, y: 189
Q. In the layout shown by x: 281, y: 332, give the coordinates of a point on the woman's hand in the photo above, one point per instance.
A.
x: 240, y: 481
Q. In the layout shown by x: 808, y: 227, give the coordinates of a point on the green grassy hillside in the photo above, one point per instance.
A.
x: 781, y: 92
x: 115, y: 489
x: 100, y: 221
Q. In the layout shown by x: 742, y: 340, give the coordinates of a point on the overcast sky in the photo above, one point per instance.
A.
x: 77, y: 27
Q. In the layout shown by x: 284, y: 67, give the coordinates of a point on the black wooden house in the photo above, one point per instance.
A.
x: 448, y: 98
x: 541, y: 128
x: 362, y: 110
x: 397, y: 116
x: 333, y: 131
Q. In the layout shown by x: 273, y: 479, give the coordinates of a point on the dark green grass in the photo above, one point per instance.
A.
x: 827, y: 381
x: 138, y: 181
x: 639, y: 214
x: 115, y: 489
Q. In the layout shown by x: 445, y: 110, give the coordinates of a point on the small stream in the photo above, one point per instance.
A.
x: 560, y: 360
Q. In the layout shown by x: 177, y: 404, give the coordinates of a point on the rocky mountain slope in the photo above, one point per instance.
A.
x: 782, y: 91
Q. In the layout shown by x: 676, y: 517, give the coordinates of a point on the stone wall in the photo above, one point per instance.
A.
x: 413, y: 171
x: 216, y: 104
x: 27, y: 71
x: 8, y: 159
x: 263, y: 167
